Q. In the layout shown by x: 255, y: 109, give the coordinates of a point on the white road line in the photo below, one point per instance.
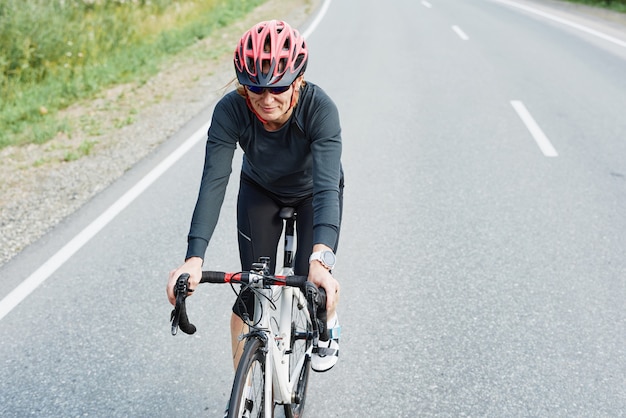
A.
x: 317, y: 19
x: 427, y: 4
x: 57, y: 260
x: 40, y: 275
x: 564, y: 22
x: 459, y: 32
x: 541, y: 139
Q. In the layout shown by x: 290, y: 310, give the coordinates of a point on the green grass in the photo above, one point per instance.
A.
x: 84, y: 149
x: 615, y: 5
x: 56, y: 52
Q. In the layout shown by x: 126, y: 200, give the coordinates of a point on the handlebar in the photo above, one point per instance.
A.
x: 179, y: 314
x: 252, y: 277
x: 316, y: 297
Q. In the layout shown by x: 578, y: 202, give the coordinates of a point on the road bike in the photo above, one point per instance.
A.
x: 289, y: 320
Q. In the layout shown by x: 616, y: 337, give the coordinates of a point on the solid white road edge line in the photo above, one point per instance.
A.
x: 25, y: 288
x: 317, y: 19
x: 541, y: 139
x: 564, y: 22
x: 40, y: 275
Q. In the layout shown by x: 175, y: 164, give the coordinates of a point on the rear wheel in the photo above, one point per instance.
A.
x: 301, y: 335
x: 247, y: 397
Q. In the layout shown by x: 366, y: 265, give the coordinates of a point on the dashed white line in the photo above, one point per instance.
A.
x: 459, y: 32
x: 542, y: 140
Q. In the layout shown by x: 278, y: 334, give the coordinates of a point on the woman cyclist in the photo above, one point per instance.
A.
x: 274, y: 115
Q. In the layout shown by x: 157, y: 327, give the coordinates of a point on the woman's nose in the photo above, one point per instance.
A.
x: 266, y: 96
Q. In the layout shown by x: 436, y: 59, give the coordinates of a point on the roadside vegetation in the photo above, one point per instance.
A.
x: 57, y: 52
x: 615, y: 5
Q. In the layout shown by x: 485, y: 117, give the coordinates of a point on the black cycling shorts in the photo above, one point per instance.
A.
x: 259, y: 229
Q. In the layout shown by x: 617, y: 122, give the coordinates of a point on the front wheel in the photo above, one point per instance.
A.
x: 299, y: 362
x: 247, y: 396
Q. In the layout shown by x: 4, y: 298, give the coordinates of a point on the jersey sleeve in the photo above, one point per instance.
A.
x: 220, y: 147
x: 325, y: 135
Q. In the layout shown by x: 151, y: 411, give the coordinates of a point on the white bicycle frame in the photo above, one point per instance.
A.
x: 274, y: 319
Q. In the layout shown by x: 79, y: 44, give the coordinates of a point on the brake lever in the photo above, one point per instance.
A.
x: 316, y: 298
x: 178, y: 316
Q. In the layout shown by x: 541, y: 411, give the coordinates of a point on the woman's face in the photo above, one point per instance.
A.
x: 275, y: 108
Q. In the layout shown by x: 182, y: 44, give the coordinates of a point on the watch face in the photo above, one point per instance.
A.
x: 328, y: 258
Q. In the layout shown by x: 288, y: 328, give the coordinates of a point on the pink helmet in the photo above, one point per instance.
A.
x: 270, y: 54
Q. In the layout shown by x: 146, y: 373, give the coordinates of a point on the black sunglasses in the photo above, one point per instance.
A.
x: 272, y: 90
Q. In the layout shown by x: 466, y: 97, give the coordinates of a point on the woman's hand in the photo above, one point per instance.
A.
x: 321, y: 277
x: 193, y: 266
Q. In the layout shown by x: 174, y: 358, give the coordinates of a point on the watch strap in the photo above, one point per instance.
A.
x: 319, y: 256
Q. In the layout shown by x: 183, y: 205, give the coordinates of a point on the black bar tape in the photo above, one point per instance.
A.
x: 213, y: 277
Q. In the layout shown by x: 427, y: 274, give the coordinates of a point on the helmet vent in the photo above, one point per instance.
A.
x: 267, y: 44
x: 270, y: 54
x: 266, y: 67
x: 299, y: 60
x: 250, y: 64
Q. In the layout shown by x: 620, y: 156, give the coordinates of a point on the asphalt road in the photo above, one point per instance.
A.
x: 482, y: 251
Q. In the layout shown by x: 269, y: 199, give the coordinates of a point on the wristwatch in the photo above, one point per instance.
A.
x: 327, y: 258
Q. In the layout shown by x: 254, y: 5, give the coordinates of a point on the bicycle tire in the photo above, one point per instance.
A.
x: 247, y: 394
x: 301, y: 336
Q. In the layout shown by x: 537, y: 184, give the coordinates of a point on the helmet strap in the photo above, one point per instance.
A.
x: 263, y: 121
x: 293, y: 101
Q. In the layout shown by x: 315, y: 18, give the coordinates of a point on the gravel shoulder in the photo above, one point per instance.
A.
x: 43, y: 184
